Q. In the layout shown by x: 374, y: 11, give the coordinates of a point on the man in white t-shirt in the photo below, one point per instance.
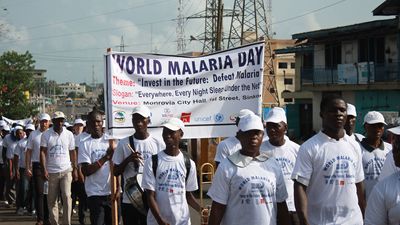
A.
x: 34, y: 170
x: 351, y: 123
x: 58, y: 162
x: 23, y: 184
x: 249, y: 187
x: 284, y: 151
x: 128, y: 159
x: 4, y: 129
x: 374, y: 149
x: 94, y: 157
x: 384, y: 203
x: 230, y: 145
x: 328, y: 173
x: 169, y: 188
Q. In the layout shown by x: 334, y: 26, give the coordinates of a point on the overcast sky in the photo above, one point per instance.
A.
x: 68, y: 38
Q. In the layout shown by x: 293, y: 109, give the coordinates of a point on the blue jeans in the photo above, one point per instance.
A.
x: 22, y: 189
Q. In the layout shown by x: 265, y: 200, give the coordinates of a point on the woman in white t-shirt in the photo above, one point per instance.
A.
x: 384, y: 203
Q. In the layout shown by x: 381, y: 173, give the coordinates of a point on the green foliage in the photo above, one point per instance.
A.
x: 16, y: 77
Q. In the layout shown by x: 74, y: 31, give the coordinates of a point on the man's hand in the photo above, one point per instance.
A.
x: 17, y: 175
x: 109, y: 153
x: 74, y: 174
x: 28, y: 173
x: 135, y: 157
x: 45, y: 174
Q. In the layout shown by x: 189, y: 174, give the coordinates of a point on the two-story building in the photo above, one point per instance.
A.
x: 360, y: 62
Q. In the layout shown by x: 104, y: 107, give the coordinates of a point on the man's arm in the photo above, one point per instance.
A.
x: 361, y: 196
x: 72, y: 156
x: 89, y: 169
x: 120, y: 168
x: 283, y: 216
x: 28, y: 170
x: 301, y: 202
x: 151, y: 201
x: 16, y: 166
x: 217, y: 212
x: 43, y: 153
x: 192, y: 201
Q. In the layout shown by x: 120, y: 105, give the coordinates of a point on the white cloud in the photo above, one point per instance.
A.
x: 9, y: 32
x: 312, y: 22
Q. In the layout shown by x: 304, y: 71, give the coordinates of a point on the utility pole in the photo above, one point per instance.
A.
x: 180, y: 29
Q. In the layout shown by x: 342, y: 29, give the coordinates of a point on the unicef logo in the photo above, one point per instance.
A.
x: 219, y: 117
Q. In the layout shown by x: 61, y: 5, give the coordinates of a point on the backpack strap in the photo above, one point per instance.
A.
x: 154, y: 159
x: 131, y: 143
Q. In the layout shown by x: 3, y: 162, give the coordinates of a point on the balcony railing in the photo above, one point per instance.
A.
x: 359, y: 73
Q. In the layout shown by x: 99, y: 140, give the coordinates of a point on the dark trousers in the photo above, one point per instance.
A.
x: 22, y: 188
x: 294, y: 218
x: 79, y: 193
x: 42, y: 211
x: 9, y: 184
x: 100, y: 210
x: 2, y: 182
x: 132, y: 216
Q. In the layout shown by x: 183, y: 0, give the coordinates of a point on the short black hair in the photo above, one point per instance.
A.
x: 92, y: 115
x: 326, y: 100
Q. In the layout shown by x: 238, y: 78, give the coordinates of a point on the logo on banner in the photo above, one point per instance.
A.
x: 218, y: 118
x: 202, y: 118
x: 119, y: 116
x: 185, y: 117
x: 233, y: 117
x: 167, y: 113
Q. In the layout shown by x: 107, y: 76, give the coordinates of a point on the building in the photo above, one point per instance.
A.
x: 359, y: 62
x: 72, y: 87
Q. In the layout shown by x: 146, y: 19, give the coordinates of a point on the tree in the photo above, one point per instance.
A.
x: 16, y: 79
x: 100, y: 101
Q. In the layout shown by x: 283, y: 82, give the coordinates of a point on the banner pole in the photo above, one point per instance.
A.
x: 114, y: 189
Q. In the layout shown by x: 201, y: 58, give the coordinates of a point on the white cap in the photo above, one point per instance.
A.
x: 142, y: 110
x: 395, y: 130
x: 5, y: 127
x: 174, y: 124
x: 30, y: 127
x: 276, y: 115
x: 18, y: 128
x: 351, y: 110
x: 245, y: 112
x: 2, y: 123
x: 79, y: 121
x: 58, y: 114
x: 374, y: 117
x: 44, y: 116
x: 66, y: 124
x: 250, y: 122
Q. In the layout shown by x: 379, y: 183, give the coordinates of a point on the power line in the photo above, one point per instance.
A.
x: 310, y: 12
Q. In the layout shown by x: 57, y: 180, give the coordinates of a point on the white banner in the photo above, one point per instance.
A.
x: 206, y: 92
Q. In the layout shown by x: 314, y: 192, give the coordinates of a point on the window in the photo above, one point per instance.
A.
x: 288, y: 81
x: 333, y: 55
x: 292, y: 65
x: 282, y: 65
x: 288, y: 99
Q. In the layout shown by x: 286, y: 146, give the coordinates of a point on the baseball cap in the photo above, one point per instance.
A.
x: 58, y: 114
x: 30, y: 127
x: 351, y: 110
x: 2, y: 123
x: 395, y: 130
x: 79, y: 121
x: 250, y: 122
x: 276, y: 115
x: 245, y: 112
x: 373, y: 117
x: 5, y: 127
x: 66, y: 124
x: 174, y: 124
x: 142, y: 110
x: 18, y: 128
x: 44, y: 116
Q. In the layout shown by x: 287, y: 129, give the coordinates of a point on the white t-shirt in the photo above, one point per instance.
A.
x: 58, y: 147
x: 226, y: 148
x: 384, y: 202
x: 373, y: 160
x: 10, y: 144
x: 34, y: 144
x: 330, y: 169
x: 20, y: 150
x: 91, y: 150
x: 286, y: 156
x: 146, y: 147
x: 250, y: 193
x: 388, y: 167
x: 170, y: 187
x: 80, y: 138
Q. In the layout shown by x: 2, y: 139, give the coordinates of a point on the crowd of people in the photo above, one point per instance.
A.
x: 262, y: 177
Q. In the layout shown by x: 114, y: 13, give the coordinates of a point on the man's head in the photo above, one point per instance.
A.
x: 95, y: 123
x: 4, y: 128
x: 351, y: 119
x: 44, y: 121
x: 173, y: 132
x: 396, y: 144
x: 333, y: 111
x: 276, y: 124
x: 374, y: 125
x: 58, y: 120
x: 19, y: 132
x: 250, y: 134
x: 243, y: 113
x: 141, y: 118
x: 29, y: 128
x: 78, y: 126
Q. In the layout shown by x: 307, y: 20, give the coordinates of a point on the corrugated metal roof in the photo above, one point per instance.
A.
x: 387, y: 8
